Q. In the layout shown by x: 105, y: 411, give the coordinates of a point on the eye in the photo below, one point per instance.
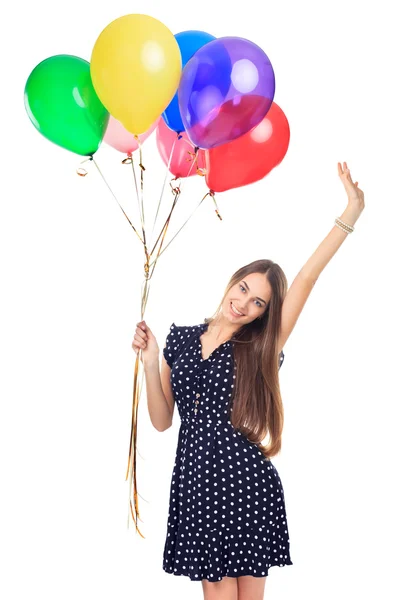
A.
x: 259, y: 304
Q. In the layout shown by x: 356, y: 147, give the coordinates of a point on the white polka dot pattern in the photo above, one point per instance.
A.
x: 227, y: 513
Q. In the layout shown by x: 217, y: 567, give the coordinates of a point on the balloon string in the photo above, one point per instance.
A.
x: 140, y: 199
x: 136, y: 187
x: 206, y: 195
x: 133, y: 451
x: 176, y: 190
x: 165, y: 226
x: 167, y: 170
x: 137, y: 389
x: 142, y: 178
x: 147, y: 256
x: 180, y: 189
x: 132, y: 458
x: 116, y: 199
x: 148, y: 273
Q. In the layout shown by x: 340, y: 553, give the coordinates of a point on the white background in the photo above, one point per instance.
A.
x: 71, y: 272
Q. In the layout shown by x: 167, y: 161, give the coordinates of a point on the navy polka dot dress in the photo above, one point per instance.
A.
x: 227, y: 515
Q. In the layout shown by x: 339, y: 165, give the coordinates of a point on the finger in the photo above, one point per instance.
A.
x: 348, y: 172
x: 140, y: 334
x: 348, y: 176
x: 140, y: 345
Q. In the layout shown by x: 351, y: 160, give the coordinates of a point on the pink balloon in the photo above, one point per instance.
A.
x: 119, y: 138
x: 182, y: 157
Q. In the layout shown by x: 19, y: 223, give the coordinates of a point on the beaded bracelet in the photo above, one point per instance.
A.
x: 344, y: 226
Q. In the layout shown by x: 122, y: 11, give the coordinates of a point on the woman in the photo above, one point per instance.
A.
x: 227, y: 519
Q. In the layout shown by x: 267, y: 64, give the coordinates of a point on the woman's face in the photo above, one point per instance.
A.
x: 250, y: 296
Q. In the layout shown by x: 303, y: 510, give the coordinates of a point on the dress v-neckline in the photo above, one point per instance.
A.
x: 204, y: 327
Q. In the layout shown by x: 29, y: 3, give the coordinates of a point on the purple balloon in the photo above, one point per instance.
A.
x: 226, y: 89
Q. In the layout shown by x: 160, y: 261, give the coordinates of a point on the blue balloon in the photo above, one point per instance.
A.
x: 189, y: 42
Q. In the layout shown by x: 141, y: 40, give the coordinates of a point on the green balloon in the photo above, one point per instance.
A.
x: 62, y: 104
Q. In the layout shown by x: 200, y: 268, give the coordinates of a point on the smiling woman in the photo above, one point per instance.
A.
x: 228, y: 399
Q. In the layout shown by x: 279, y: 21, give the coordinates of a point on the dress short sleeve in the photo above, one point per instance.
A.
x: 172, y: 347
x: 281, y: 358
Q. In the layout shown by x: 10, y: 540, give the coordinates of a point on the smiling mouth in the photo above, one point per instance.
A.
x: 234, y: 312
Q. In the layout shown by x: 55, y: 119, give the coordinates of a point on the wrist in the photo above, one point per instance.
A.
x: 151, y: 365
x: 350, y: 215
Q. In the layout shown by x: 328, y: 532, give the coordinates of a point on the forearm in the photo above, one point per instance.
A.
x: 329, y: 246
x: 158, y: 407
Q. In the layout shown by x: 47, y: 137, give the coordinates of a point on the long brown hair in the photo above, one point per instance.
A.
x: 255, y: 407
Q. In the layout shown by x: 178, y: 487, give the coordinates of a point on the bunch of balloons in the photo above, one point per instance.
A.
x: 211, y: 96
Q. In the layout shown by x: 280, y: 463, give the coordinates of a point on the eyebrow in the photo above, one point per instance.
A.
x: 256, y: 296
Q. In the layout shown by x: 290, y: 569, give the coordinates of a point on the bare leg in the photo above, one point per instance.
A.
x: 251, y: 588
x: 226, y: 589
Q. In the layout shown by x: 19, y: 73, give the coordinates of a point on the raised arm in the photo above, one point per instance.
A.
x: 304, y: 281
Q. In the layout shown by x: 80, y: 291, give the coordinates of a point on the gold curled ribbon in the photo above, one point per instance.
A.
x: 128, y: 159
x: 217, y: 208
x: 81, y: 171
x: 192, y: 156
x: 213, y: 197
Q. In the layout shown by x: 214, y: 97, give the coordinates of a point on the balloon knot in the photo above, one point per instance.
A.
x: 175, y: 189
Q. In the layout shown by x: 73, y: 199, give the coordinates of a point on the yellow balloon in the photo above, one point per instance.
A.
x: 135, y: 69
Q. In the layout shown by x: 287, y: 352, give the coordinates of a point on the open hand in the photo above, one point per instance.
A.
x: 355, y: 194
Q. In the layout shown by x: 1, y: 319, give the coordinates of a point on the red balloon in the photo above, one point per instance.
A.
x: 182, y: 162
x: 250, y: 157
